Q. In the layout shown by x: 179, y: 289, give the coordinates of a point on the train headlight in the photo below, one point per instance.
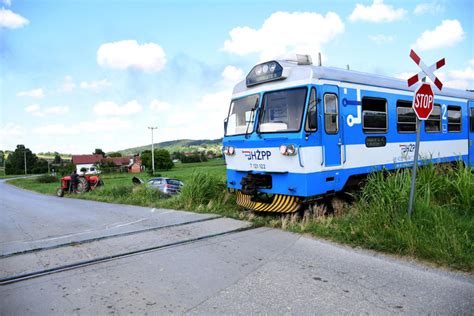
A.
x: 229, y: 150
x: 288, y: 150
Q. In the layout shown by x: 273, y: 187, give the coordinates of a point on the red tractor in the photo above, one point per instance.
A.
x: 84, y: 184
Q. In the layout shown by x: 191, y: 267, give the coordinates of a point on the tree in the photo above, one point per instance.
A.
x: 108, y: 166
x: 16, y: 161
x: 57, y: 158
x: 146, y: 158
x: 115, y: 154
x: 41, y: 166
x: 99, y: 151
x: 162, y: 159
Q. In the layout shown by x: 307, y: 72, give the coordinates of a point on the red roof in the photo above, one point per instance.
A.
x: 86, y: 159
x: 119, y: 161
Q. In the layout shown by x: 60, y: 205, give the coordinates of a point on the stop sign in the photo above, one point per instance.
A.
x: 423, y: 101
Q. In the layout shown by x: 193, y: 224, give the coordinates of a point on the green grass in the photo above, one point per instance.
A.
x: 440, y: 231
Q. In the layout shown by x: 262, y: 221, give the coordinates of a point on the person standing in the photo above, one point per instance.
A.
x: 74, y: 181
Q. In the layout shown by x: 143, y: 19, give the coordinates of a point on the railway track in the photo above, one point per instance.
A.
x: 144, y: 241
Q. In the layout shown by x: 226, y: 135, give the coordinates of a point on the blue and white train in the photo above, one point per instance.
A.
x: 296, y: 131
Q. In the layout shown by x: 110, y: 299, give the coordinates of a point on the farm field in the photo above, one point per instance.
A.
x: 441, y: 230
x: 181, y: 171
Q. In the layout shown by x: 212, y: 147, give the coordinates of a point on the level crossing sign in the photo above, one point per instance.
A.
x: 422, y: 105
x: 426, y: 71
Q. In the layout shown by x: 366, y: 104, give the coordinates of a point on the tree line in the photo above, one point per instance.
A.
x: 24, y: 159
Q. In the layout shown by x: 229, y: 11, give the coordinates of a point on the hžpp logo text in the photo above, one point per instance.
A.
x: 257, y: 154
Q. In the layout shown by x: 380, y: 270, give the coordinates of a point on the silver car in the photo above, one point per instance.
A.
x: 167, y: 186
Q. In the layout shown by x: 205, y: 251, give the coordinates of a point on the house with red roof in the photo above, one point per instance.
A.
x: 87, y: 163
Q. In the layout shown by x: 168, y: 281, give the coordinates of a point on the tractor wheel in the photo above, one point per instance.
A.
x: 60, y: 192
x: 82, y: 185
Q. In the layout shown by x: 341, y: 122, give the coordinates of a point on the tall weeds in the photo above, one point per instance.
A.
x: 441, y: 228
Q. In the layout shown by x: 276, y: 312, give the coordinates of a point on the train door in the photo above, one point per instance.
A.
x: 471, y: 133
x: 331, y: 133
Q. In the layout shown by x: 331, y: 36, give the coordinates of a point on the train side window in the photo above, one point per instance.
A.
x: 454, y: 119
x: 433, y: 123
x: 312, y: 117
x: 331, y: 114
x: 472, y: 120
x: 374, y: 115
x: 406, y: 118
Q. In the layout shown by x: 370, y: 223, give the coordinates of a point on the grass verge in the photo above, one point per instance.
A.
x: 440, y: 231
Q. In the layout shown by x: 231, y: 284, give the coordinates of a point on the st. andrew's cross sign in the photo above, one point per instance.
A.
x: 422, y: 105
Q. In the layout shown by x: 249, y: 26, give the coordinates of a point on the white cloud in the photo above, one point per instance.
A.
x: 35, y: 93
x: 160, y: 106
x: 95, y: 85
x: 232, y: 74
x: 57, y: 110
x: 110, y: 108
x: 11, y: 20
x: 35, y: 110
x: 285, y: 33
x: 381, y: 39
x: 100, y: 125
x: 378, y: 12
x: 465, y: 74
x: 53, y: 129
x: 10, y: 135
x: 149, y: 57
x: 461, y: 79
x: 456, y: 84
x: 11, y: 130
x: 404, y: 75
x: 447, y: 34
x: 432, y: 8
x: 68, y: 84
x: 32, y: 108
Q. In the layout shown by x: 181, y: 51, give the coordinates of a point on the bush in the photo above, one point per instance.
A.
x: 46, y: 178
x: 201, y: 190
x: 65, y: 169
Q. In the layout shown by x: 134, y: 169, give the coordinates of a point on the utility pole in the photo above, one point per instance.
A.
x: 152, y: 149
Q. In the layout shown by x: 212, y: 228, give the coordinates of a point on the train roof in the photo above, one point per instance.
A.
x: 301, y: 73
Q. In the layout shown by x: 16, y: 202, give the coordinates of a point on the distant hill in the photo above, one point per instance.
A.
x: 180, y: 145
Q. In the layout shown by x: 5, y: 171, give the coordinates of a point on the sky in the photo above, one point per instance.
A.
x: 83, y: 74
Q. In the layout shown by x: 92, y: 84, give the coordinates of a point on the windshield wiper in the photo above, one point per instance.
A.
x: 252, y: 120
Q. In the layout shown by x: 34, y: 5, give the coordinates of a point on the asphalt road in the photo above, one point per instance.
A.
x: 153, y: 261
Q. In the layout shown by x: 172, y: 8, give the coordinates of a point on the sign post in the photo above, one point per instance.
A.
x: 422, y: 105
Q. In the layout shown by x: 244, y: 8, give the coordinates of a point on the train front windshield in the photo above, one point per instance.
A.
x: 242, y: 115
x: 282, y: 110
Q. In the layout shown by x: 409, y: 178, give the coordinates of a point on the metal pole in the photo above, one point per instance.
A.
x: 152, y: 150
x: 415, y: 165
x: 24, y: 158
